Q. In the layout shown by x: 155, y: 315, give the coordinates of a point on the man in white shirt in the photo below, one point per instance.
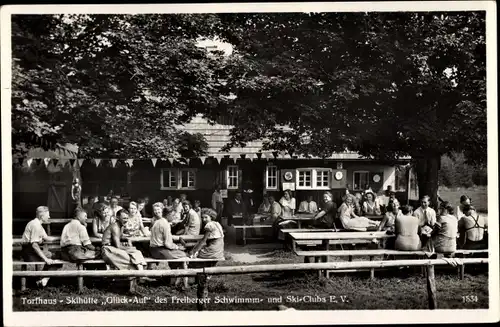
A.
x: 308, y: 206
x: 113, y: 205
x: 34, y: 235
x: 75, y: 241
x: 425, y: 214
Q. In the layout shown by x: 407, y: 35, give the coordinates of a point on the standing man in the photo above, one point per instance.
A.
x: 236, y: 207
x: 76, y: 193
x: 217, y: 202
x: 33, y: 237
x: 75, y: 241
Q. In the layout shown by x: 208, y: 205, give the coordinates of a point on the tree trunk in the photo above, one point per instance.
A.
x: 427, y: 170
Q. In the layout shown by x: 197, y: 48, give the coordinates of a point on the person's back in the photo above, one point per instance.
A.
x: 472, y: 228
x: 406, y: 227
x: 445, y: 240
x: 193, y: 223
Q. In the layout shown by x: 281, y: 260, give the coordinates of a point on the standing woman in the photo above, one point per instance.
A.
x: 211, y: 246
x: 288, y: 205
x: 370, y: 205
x: 445, y: 237
x: 134, y: 226
x: 102, y: 220
x: 350, y: 220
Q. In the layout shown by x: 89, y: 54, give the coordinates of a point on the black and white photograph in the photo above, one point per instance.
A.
x: 283, y: 158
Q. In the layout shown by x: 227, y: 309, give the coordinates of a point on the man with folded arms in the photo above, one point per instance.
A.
x: 33, y: 236
x: 75, y: 241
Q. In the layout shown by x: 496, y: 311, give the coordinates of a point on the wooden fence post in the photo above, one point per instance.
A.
x: 202, y: 291
x: 372, y: 270
x: 431, y: 287
x: 80, y: 279
x: 23, y: 279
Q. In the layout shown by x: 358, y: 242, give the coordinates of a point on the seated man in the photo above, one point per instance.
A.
x: 75, y: 241
x: 162, y: 245
x: 33, y: 236
x: 116, y: 254
x: 308, y: 206
x: 192, y: 221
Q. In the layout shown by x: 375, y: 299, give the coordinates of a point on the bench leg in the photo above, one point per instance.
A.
x: 244, y: 236
x: 185, y: 279
x: 133, y: 284
x: 23, y: 279
x: 80, y: 279
x: 327, y: 272
x: 462, y: 271
x: 372, y: 270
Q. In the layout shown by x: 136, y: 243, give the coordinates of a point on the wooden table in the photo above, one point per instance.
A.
x: 300, y: 217
x: 328, y: 238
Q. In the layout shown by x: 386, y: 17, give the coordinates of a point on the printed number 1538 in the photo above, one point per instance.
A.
x: 469, y: 298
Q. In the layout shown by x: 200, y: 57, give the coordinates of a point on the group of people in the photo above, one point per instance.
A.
x: 114, y: 225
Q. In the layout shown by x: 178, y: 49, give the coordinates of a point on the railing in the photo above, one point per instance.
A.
x: 202, y: 273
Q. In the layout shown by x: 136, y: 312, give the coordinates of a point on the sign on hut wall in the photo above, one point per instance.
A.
x: 288, y: 186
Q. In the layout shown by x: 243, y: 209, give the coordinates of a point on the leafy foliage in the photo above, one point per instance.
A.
x: 115, y: 85
x: 383, y: 84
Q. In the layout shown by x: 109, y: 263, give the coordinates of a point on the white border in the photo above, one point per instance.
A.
x: 283, y: 317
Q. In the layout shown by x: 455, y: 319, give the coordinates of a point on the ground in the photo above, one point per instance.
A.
x: 393, y: 289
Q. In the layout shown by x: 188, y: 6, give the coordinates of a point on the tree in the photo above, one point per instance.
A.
x: 115, y: 85
x: 383, y: 84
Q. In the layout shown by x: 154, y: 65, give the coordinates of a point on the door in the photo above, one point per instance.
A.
x: 58, y: 194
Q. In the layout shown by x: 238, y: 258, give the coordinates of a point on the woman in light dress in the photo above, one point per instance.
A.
x: 407, y: 231
x: 350, y: 220
x: 102, y: 220
x: 211, y: 246
x: 134, y: 226
x: 445, y: 236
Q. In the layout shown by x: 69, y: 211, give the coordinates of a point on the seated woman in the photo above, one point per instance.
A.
x: 350, y: 220
x: 102, y: 220
x: 288, y: 204
x: 357, y: 199
x: 157, y: 212
x: 370, y: 205
x: 211, y: 246
x: 265, y: 206
x: 407, y: 231
x: 445, y: 233
x: 387, y: 224
x: 471, y: 229
x: 134, y: 226
x: 464, y: 201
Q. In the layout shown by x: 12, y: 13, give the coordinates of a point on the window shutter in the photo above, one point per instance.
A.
x: 222, y: 179
x: 240, y: 179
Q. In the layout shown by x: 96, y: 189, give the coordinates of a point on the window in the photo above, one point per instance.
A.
x: 168, y: 178
x: 313, y: 178
x: 322, y: 178
x: 304, y: 178
x: 272, y: 177
x: 187, y: 178
x: 173, y: 179
x: 232, y: 177
x: 360, y: 180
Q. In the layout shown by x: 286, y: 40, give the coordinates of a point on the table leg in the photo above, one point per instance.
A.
x: 80, y: 278
x: 244, y: 236
x: 299, y: 224
x: 48, y: 229
x: 372, y: 270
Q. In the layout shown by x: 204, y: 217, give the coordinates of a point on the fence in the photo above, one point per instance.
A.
x: 202, y: 273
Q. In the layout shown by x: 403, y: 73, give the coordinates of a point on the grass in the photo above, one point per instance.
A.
x: 392, y: 289
x: 478, y: 194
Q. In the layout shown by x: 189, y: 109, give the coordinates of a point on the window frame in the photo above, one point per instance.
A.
x: 178, y: 178
x: 354, y: 177
x: 314, y: 174
x: 267, y: 176
x: 237, y: 169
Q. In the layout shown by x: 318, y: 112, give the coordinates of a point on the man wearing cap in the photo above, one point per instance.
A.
x: 33, y: 236
x: 75, y: 241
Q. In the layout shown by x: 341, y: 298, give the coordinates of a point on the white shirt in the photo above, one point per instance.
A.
x: 310, y: 207
x: 74, y: 233
x: 216, y: 197
x: 34, y: 232
x: 427, y: 217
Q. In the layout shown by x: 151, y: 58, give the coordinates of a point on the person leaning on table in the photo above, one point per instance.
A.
x: 33, y: 236
x: 75, y: 241
x: 327, y: 216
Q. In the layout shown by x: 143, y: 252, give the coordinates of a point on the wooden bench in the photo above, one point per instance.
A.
x: 378, y: 252
x: 80, y: 266
x: 244, y: 228
x: 327, y: 238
